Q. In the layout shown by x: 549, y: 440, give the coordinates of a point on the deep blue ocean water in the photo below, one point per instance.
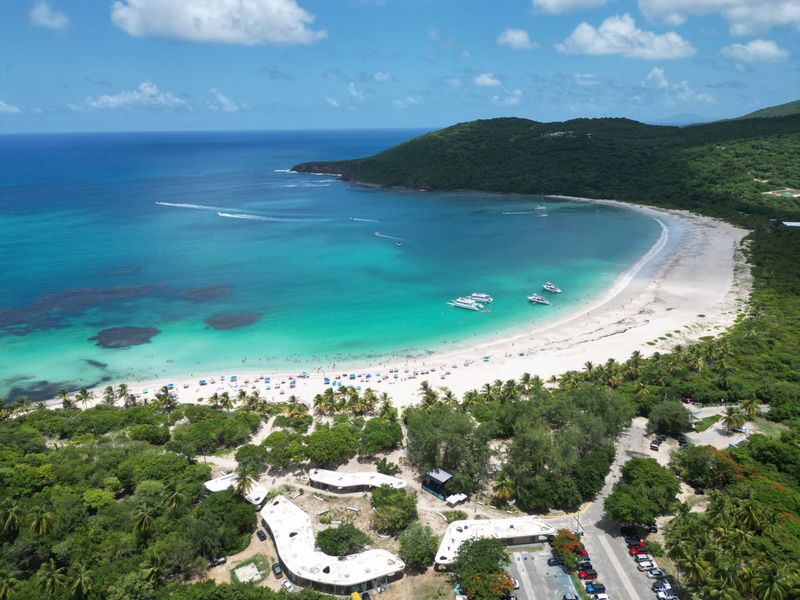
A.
x: 128, y: 230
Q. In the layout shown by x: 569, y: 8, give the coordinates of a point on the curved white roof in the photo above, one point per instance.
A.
x: 459, y: 532
x: 294, y: 540
x: 361, y: 478
x: 254, y: 496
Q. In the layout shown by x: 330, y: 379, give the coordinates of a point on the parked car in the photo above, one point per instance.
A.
x: 583, y: 565
x: 632, y: 540
x: 661, y: 595
x: 654, y: 445
x: 741, y: 429
x: 288, y: 586
x: 656, y: 574
x: 595, y: 588
x: 276, y: 570
x: 641, y: 545
x: 652, y: 527
x: 600, y: 597
x: 633, y: 551
x: 261, y: 535
x: 662, y: 585
x: 555, y: 561
x: 640, y: 558
x: 587, y: 574
x: 515, y: 583
x: 646, y: 565
x: 569, y: 596
x: 218, y: 561
x: 366, y: 596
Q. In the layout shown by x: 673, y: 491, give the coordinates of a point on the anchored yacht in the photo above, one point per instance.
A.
x: 538, y: 299
x: 552, y: 287
x: 466, y: 303
x: 481, y: 297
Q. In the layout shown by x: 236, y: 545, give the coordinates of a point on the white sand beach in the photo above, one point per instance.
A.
x: 693, y: 282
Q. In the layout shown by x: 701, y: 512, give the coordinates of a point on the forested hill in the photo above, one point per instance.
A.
x: 782, y: 110
x: 609, y: 158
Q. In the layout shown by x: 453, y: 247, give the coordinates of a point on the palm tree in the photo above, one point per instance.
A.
x: 175, y: 499
x: 81, y: 582
x: 51, y: 578
x: 143, y: 520
x: 241, y: 397
x: 42, y: 521
x: 504, y: 487
x: 67, y: 403
x: 109, y: 396
x: 370, y: 400
x: 243, y: 483
x: 750, y: 406
x: 166, y: 399
x: 226, y: 402
x: 11, y: 517
x: 694, y: 566
x: 8, y: 585
x: 84, y: 396
x: 154, y: 567
x: 733, y: 418
x: 774, y: 583
x: 214, y: 400
x: 122, y: 392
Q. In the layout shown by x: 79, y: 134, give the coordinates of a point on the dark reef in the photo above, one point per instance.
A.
x: 233, y: 320
x: 123, y: 337
x: 209, y: 292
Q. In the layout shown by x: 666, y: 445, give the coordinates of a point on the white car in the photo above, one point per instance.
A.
x: 515, y: 583
x: 600, y: 597
x: 288, y: 586
x: 665, y: 596
x: 656, y: 574
x: 646, y: 565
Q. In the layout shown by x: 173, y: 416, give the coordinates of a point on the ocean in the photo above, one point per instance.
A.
x: 143, y: 256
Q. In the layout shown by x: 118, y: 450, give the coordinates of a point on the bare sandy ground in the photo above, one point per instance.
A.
x: 692, y: 283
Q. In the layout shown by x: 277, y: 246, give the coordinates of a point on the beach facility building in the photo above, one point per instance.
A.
x: 434, y: 482
x: 513, y: 531
x: 346, y: 483
x: 291, y: 530
x: 255, y: 496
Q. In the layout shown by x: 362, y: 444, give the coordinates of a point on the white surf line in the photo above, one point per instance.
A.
x: 191, y: 206
x: 523, y: 576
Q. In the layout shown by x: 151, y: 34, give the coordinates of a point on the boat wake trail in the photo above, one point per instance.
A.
x: 364, y: 220
x: 250, y: 217
x: 389, y: 237
x: 192, y: 206
x: 519, y: 212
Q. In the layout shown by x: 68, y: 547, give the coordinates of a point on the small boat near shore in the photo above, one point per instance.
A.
x: 466, y: 303
x: 481, y: 297
x: 538, y: 299
x: 551, y: 287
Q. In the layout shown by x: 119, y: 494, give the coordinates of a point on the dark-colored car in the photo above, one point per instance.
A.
x: 366, y: 596
x: 632, y: 540
x: 595, y: 588
x: 277, y: 571
x: 555, y: 561
x: 218, y: 561
x: 652, y: 527
x: 584, y: 564
x: 261, y: 535
x: 660, y: 585
x: 587, y: 574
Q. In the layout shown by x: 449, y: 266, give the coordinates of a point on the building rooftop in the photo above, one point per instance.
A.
x: 255, y: 496
x: 440, y: 476
x: 294, y: 540
x: 362, y: 478
x: 459, y: 532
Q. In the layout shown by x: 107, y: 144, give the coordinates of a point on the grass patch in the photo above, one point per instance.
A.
x: 454, y: 515
x: 579, y: 586
x: 705, y: 423
x: 259, y: 560
x: 768, y: 428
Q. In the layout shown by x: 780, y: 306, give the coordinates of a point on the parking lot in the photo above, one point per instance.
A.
x: 537, y: 580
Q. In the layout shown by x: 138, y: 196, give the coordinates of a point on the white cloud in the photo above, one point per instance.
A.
x: 516, y: 39
x: 555, y: 7
x: 42, y: 15
x: 381, y: 76
x: 656, y: 78
x: 673, y: 94
x: 9, y: 109
x: 619, y: 35
x: 332, y: 101
x: 406, y: 102
x: 755, y: 51
x: 585, y: 79
x: 746, y: 17
x: 486, y: 80
x: 223, y: 103
x: 507, y: 98
x: 246, y: 22
x: 354, y: 92
x: 146, y: 95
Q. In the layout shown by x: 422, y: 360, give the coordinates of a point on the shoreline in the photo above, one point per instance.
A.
x: 691, y: 283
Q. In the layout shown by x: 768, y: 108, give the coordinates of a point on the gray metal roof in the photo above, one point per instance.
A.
x: 440, y: 476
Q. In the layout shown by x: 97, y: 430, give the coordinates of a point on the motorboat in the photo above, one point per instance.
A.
x: 481, y: 297
x: 466, y: 303
x: 551, y: 287
x: 538, y: 299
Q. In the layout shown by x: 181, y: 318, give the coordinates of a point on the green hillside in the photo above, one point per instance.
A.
x: 687, y: 167
x: 782, y: 110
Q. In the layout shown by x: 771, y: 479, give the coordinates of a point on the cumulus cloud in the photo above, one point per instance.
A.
x: 146, y: 95
x: 486, y: 80
x: 746, y: 17
x: 332, y: 101
x: 585, y: 79
x: 619, y: 35
x: 354, y: 92
x: 677, y: 93
x: 223, y: 103
x: 756, y: 51
x: 507, y: 98
x: 516, y: 39
x: 245, y: 22
x: 381, y: 76
x: 43, y: 15
x: 555, y: 7
x: 406, y: 102
x: 9, y: 109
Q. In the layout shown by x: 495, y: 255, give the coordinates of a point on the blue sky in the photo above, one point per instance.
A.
x: 103, y: 65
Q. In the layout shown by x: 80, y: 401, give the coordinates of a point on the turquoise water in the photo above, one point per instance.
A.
x: 103, y: 231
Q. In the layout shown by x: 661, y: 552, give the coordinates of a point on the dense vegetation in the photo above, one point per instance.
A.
x: 480, y: 569
x: 782, y: 110
x: 645, y: 491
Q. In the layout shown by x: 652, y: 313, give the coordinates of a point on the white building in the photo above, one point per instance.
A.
x: 293, y: 535
x: 255, y: 496
x: 513, y: 531
x: 345, y: 483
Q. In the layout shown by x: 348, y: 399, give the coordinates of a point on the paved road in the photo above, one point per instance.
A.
x: 607, y: 549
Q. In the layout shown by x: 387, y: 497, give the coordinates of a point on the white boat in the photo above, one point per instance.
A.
x: 551, y: 287
x: 541, y: 207
x: 466, y: 303
x: 538, y: 299
x: 481, y: 297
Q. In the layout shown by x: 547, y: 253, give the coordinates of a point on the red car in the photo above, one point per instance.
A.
x: 634, y: 550
x: 587, y: 574
x: 640, y: 545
